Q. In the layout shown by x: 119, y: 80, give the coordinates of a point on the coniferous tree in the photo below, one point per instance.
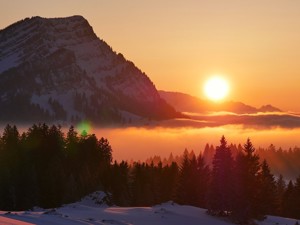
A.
x: 221, y: 186
x: 46, y: 145
x: 192, y: 180
x: 266, y: 194
x: 72, y: 166
x: 28, y: 186
x: 280, y: 190
x: 105, y: 159
x: 297, y: 198
x: 44, y: 168
x: 192, y: 183
x: 119, y: 184
x: 168, y: 181
x: 10, y: 167
x: 289, y: 201
x: 139, y: 186
x: 202, y: 181
x: 181, y: 195
x: 54, y: 172
x: 246, y: 184
x: 208, y: 154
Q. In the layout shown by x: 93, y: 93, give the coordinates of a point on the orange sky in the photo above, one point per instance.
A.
x: 179, y: 44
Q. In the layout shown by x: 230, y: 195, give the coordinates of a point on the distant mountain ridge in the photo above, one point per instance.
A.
x: 187, y: 103
x: 59, y: 70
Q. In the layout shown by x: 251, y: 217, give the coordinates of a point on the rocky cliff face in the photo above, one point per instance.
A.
x: 59, y: 70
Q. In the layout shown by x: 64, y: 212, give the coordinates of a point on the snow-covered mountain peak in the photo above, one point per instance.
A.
x: 62, y: 60
x: 37, y: 38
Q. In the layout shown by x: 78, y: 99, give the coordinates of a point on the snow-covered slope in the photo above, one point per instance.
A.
x: 86, y: 213
x: 58, y: 69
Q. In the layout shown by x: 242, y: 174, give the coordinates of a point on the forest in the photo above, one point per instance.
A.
x: 46, y: 167
x: 284, y: 162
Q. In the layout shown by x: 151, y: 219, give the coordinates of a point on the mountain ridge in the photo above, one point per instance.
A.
x: 187, y: 103
x: 58, y: 69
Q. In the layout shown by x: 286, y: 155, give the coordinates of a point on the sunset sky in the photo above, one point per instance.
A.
x: 255, y: 44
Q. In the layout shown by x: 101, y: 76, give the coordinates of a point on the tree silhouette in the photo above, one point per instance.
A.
x: 267, y: 188
x: 221, y: 188
x: 246, y: 184
x: 297, y: 198
x: 280, y: 190
x: 45, y: 167
x: 10, y: 166
x: 184, y: 181
x: 289, y: 203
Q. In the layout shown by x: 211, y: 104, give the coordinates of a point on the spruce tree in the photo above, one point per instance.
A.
x: 280, y: 190
x: 168, y: 182
x: 246, y: 183
x: 221, y: 186
x: 297, y: 198
x: 203, y: 177
x: 289, y: 201
x: 183, y: 191
x: 119, y: 184
x: 267, y: 188
x: 192, y: 181
x: 10, y: 167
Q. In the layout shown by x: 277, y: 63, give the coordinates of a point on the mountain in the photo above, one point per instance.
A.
x: 268, y: 108
x: 58, y: 70
x: 187, y: 103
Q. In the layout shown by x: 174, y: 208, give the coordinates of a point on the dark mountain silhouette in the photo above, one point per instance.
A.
x: 59, y: 70
x: 187, y: 103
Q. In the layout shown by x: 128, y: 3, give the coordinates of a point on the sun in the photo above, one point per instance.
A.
x: 216, y: 88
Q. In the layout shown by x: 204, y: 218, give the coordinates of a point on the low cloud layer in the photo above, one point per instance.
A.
x: 257, y: 120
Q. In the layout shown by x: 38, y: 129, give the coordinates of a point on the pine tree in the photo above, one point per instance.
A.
x: 280, y: 190
x: 139, y: 187
x: 246, y: 183
x: 73, y: 164
x: 289, y: 201
x: 119, y: 184
x: 203, y: 177
x: 267, y: 194
x: 10, y: 167
x: 221, y: 188
x: 297, y: 198
x: 208, y: 154
x: 183, y: 190
x: 192, y: 181
x: 168, y: 182
x: 44, y: 168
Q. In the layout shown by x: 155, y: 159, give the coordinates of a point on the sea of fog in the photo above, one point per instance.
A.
x: 140, y: 143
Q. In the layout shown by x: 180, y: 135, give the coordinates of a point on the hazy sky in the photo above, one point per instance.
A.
x: 255, y: 44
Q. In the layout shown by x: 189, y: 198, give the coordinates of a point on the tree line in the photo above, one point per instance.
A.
x: 240, y: 187
x: 281, y: 161
x: 47, y: 168
x: 44, y: 167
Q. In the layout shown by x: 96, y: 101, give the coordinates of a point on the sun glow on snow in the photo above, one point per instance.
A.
x: 216, y: 88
